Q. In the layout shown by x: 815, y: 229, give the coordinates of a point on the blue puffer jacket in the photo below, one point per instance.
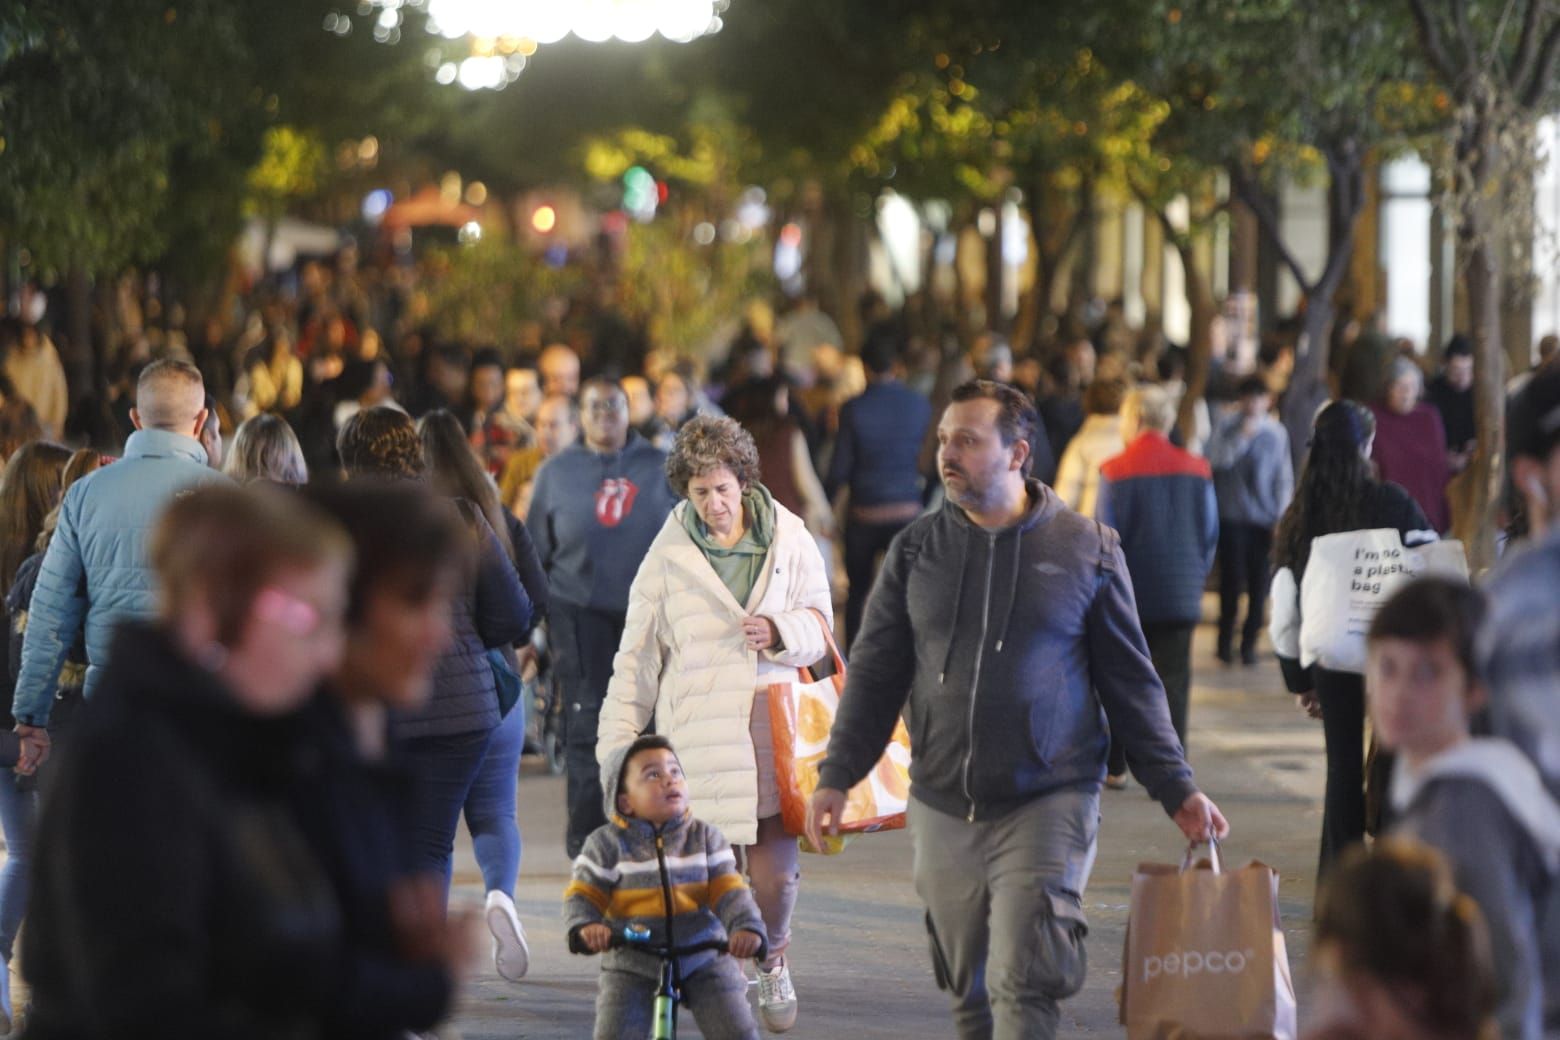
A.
x: 96, y: 569
x: 493, y: 612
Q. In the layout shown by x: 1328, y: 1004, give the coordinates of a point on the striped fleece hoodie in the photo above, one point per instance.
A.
x: 617, y: 882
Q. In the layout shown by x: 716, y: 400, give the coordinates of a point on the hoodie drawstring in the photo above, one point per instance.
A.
x: 958, y: 601
x: 1012, y: 596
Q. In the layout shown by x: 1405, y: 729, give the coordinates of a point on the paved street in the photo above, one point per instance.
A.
x: 859, y: 954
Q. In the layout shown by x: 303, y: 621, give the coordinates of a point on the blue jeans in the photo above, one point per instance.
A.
x: 18, y: 811
x: 490, y: 805
x: 444, y: 768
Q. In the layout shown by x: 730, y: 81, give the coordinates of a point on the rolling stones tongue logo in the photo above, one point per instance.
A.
x: 615, y: 500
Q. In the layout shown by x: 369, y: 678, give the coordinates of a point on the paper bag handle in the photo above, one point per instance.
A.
x: 1214, y: 859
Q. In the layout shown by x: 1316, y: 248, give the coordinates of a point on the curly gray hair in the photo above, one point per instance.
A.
x: 707, y: 443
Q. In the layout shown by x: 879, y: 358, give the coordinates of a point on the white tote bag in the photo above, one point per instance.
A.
x: 1349, y: 576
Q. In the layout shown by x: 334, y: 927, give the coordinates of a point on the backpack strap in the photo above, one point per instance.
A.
x: 1105, y: 564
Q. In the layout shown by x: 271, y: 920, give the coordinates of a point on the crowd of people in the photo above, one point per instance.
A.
x: 271, y: 628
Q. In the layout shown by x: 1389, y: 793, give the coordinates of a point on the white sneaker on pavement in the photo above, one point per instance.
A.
x: 776, y: 998
x: 511, y: 955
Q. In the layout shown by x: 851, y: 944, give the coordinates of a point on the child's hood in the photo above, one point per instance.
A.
x: 1502, y: 767
x: 611, y: 778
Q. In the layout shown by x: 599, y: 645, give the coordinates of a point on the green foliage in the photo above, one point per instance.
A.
x: 291, y: 166
x: 682, y: 292
x: 485, y: 291
x: 96, y: 105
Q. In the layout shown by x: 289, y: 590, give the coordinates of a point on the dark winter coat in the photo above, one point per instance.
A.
x: 1001, y: 639
x: 173, y: 896
x: 493, y: 612
x: 354, y: 815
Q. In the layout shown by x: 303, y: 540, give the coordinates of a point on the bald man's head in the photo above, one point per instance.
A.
x: 171, y: 396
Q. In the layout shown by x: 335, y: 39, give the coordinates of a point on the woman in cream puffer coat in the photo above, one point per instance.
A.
x: 730, y: 599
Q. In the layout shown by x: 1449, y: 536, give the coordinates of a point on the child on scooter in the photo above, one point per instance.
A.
x: 654, y: 866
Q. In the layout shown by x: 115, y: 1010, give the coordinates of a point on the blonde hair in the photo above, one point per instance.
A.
x: 265, y: 448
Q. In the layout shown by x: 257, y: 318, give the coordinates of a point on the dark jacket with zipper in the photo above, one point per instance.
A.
x: 494, y: 611
x: 173, y: 896
x: 1013, y: 647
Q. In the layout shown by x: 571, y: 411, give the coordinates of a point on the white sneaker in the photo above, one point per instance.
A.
x: 776, y: 998
x: 511, y: 955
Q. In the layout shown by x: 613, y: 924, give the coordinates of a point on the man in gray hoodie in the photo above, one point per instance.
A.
x: 596, y: 507
x: 1010, y: 679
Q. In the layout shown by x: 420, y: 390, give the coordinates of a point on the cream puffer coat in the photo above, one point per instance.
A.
x: 683, y: 660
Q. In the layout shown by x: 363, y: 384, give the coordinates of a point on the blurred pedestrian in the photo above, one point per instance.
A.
x: 495, y: 435
x: 96, y: 572
x: 1517, y: 648
x: 876, y: 459
x: 596, y: 508
x: 729, y: 561
x: 402, y: 958
x: 455, y: 471
x: 1098, y: 439
x: 29, y: 490
x: 176, y: 790
x: 1338, y: 491
x: 1400, y: 954
x: 1450, y: 393
x: 266, y: 449
x: 1160, y: 499
x: 1254, y: 479
x: 1477, y: 800
x: 445, y: 740
x: 1410, y: 446
x: 32, y: 365
x: 557, y: 427
x: 560, y: 369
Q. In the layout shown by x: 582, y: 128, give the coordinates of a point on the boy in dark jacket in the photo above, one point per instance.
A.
x: 618, y: 884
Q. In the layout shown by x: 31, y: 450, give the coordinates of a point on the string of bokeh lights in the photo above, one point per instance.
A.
x: 501, y: 35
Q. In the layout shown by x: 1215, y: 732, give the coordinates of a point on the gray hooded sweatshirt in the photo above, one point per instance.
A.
x: 1012, y: 648
x: 1483, y: 806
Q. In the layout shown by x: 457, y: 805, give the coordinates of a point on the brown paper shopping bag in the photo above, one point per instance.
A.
x: 800, y: 716
x: 1205, y: 955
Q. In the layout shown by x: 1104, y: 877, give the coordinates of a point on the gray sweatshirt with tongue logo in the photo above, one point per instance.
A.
x: 1010, y: 649
x: 593, y: 517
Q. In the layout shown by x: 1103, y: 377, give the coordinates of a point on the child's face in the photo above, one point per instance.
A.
x: 1420, y: 695
x: 653, y: 787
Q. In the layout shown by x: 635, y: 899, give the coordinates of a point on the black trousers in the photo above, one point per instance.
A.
x: 864, y: 543
x: 1344, y: 817
x: 1170, y: 648
x: 1243, y: 568
x: 583, y: 643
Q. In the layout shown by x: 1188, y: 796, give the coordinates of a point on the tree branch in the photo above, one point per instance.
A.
x: 1430, y: 37
x: 1470, y: 52
x: 1527, y: 44
x: 1532, y: 92
x: 1251, y: 194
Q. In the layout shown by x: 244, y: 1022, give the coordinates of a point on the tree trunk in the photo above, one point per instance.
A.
x: 1345, y: 199
x: 1482, y: 482
x: 1199, y: 355
x: 850, y: 271
x: 78, y: 327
